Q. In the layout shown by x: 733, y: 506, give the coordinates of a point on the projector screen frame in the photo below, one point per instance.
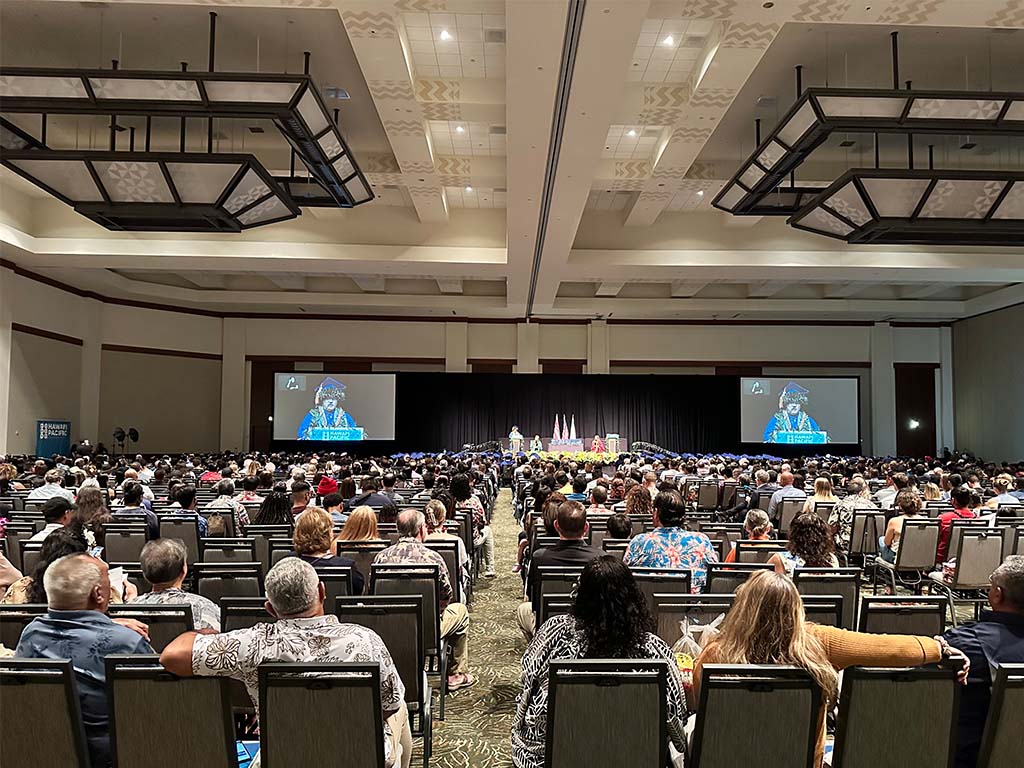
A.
x: 344, y: 378
x: 790, y: 450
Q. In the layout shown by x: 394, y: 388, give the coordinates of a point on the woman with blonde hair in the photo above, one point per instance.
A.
x: 822, y: 494
x: 361, y: 525
x: 767, y: 625
x: 932, y: 492
x: 313, y: 540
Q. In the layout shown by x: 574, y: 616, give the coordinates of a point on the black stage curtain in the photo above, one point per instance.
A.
x: 437, y: 411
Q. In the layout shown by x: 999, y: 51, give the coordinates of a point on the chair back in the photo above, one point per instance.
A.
x: 867, y: 734
x: 553, y: 604
x: 218, y: 580
x: 763, y: 501
x: 979, y: 552
x: 919, y: 541
x: 556, y: 579
x: 903, y: 615
x: 631, y: 694
x: 729, y: 494
x: 661, y: 581
x: 826, y: 610
x: 1003, y: 741
x: 233, y: 550
x: 337, y: 581
x: 186, y: 528
x: 788, y: 510
x: 823, y: 509
x: 31, y: 553
x: 299, y: 722
x: 866, y: 527
x: 389, y: 532
x: 196, y: 727
x: 956, y: 531
x: 735, y: 703
x: 14, y: 618
x: 123, y: 542
x: 832, y: 581
x: 707, y: 496
x: 397, y: 620
x: 449, y: 552
x: 165, y: 620
x: 14, y: 534
x: 671, y: 609
x: 363, y: 553
x: 615, y: 547
x: 243, y: 613
x: 723, y: 578
x: 278, y: 549
x: 262, y: 534
x: 414, y: 579
x: 757, y: 551
x: 33, y: 692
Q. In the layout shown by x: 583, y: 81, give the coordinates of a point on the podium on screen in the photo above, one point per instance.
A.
x: 337, y: 433
x: 801, y: 438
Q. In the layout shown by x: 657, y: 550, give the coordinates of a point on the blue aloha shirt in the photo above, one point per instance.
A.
x: 673, y: 548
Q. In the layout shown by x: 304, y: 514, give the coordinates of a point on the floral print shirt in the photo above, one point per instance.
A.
x: 676, y: 549
x: 413, y: 552
x: 205, y: 613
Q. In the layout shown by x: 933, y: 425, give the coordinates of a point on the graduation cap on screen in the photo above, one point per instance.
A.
x: 330, y: 388
x: 793, y: 393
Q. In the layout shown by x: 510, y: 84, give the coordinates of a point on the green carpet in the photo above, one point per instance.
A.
x: 478, y: 720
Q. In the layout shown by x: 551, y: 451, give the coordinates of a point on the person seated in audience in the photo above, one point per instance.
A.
x: 809, y: 545
x: 57, y: 513
x: 435, y: 514
x: 325, y: 484
x: 598, y: 500
x: 617, y: 489
x: 894, y: 483
x: 756, y: 527
x: 823, y: 494
x: 335, y: 506
x: 609, y: 619
x: 226, y: 503
x: 996, y: 638
x: 619, y: 526
x: 1002, y: 485
x: 369, y: 494
x: 301, y: 494
x: 961, y: 498
x: 579, y: 489
x: 1018, y: 492
x: 163, y: 566
x: 840, y: 518
x: 76, y: 627
x: 572, y: 549
x: 461, y: 488
x: 360, y: 526
x: 131, y: 475
x: 639, y: 502
x: 388, y: 481
x: 185, y: 499
x: 132, y: 497
x: 313, y: 540
x: 410, y: 550
x: 250, y: 486
x: 52, y: 486
x: 670, y: 545
x: 908, y: 505
x: 303, y: 633
x: 932, y: 492
x: 33, y: 477
x: 787, y: 490
x: 276, y: 508
x: 766, y: 625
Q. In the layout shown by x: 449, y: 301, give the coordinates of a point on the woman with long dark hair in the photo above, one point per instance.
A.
x: 810, y: 545
x: 276, y: 508
x: 609, y: 619
x: 29, y: 589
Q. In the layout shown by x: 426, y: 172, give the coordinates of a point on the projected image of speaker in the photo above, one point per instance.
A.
x: 799, y: 411
x: 334, y: 407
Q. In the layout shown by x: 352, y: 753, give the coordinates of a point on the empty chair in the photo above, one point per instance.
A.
x: 184, y: 527
x: 261, y: 533
x: 396, y: 620
x: 586, y: 696
x: 194, y: 712
x: 123, y: 542
x: 867, y: 733
x: 363, y: 553
x: 216, y: 580
x: 243, y: 612
x: 165, y: 621
x: 656, y: 580
x: 14, y: 618
x: 233, y: 550
x: 723, y: 578
x: 670, y: 610
x: 757, y: 550
x: 903, y: 615
x: 832, y: 581
x: 33, y: 692
x: 277, y: 549
x: 337, y: 581
x: 299, y: 715
x: 707, y: 496
x: 14, y: 534
x: 1002, y: 743
x: 735, y: 703
x: 978, y: 553
x: 919, y: 542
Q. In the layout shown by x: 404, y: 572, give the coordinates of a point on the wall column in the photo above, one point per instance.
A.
x: 883, y: 391
x: 527, y: 348
x: 6, y: 313
x: 233, y: 397
x: 946, y: 431
x: 88, y: 425
x: 597, y: 347
x: 456, y: 347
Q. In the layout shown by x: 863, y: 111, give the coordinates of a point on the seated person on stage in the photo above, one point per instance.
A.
x: 410, y: 550
x: 619, y: 526
x: 997, y: 638
x: 571, y: 549
x: 303, y: 634
x: 326, y: 412
x: 536, y: 446
x: 670, y: 545
x: 597, y: 445
x: 790, y: 417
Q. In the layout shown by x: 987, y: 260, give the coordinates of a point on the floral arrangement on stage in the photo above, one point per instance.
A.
x: 582, y: 457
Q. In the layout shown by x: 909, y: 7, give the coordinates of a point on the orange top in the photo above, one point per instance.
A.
x: 731, y: 556
x: 848, y: 649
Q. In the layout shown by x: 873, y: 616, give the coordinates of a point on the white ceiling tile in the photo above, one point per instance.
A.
x: 442, y: 19
x: 652, y: 26
x: 416, y: 19
x: 648, y: 40
x: 450, y: 71
x: 469, y: 20
x: 700, y: 27
x: 448, y: 59
x: 422, y: 46
x: 494, y: 21
x: 419, y: 34
x: 427, y: 71
x: 470, y: 35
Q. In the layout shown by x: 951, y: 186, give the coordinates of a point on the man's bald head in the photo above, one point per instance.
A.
x: 410, y: 523
x: 786, y: 478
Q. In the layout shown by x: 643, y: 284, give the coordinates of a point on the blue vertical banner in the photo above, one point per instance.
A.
x: 53, y: 437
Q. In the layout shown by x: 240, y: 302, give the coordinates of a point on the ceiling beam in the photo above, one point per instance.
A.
x: 922, y: 291
x: 766, y: 288
x: 609, y: 288
x: 287, y: 282
x: 368, y: 284
x: 207, y: 280
x: 449, y: 285
x: 843, y: 290
x: 685, y: 289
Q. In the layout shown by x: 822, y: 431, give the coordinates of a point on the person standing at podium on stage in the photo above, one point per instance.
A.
x: 515, y: 440
x: 326, y: 412
x: 791, y: 416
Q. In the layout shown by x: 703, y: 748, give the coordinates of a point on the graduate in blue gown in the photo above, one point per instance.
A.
x: 327, y: 412
x: 791, y: 416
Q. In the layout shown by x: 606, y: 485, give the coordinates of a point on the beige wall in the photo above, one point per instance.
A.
x: 174, y: 402
x: 44, y: 385
x: 988, y: 384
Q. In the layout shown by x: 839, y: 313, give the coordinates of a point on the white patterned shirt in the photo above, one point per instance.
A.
x: 238, y: 655
x: 205, y: 613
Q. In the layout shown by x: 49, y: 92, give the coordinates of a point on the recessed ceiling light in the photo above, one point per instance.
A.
x: 700, y: 193
x: 459, y: 129
x: 469, y: 189
x: 445, y: 35
x: 669, y: 41
x: 631, y: 132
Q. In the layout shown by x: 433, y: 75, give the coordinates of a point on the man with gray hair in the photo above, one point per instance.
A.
x: 226, y: 503
x: 302, y: 633
x: 858, y: 497
x: 163, y: 565
x: 76, y: 627
x: 997, y: 638
x: 51, y: 487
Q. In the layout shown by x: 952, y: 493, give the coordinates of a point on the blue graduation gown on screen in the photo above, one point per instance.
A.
x: 318, y: 417
x: 781, y: 422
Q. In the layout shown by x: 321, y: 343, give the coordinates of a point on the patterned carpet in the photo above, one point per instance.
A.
x: 478, y: 720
